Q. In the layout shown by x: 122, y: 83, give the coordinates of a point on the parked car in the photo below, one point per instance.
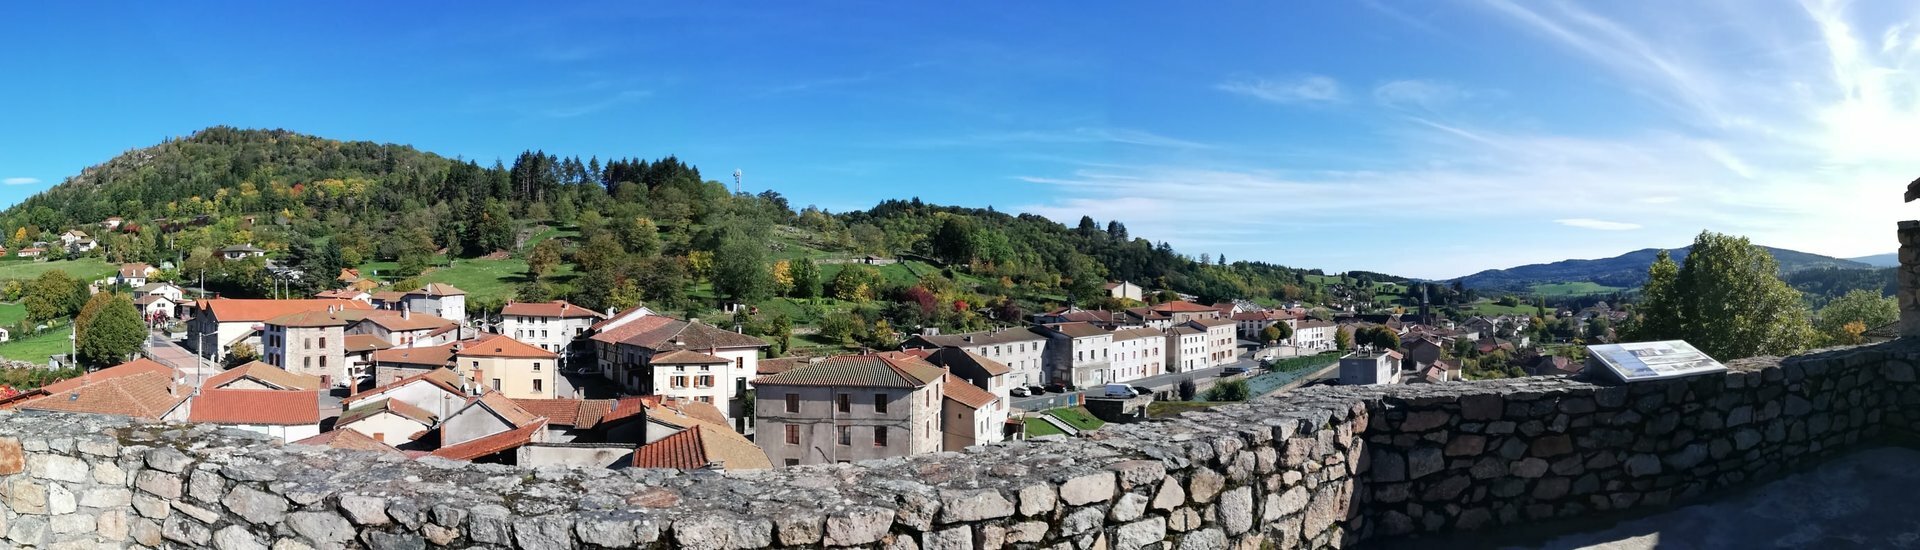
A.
x: 1057, y: 387
x: 1121, y: 391
x: 1018, y: 392
x: 1036, y: 390
x: 1142, y: 390
x: 1230, y: 371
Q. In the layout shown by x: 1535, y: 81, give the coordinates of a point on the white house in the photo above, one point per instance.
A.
x: 1023, y: 351
x: 439, y: 299
x: 1369, y: 368
x: 1221, y: 348
x: 1137, y: 353
x: 1314, y: 334
x: 241, y: 252
x: 1126, y: 290
x: 134, y: 274
x: 555, y: 326
x: 1186, y: 349
x: 220, y: 323
x: 627, y: 344
x: 1078, y: 354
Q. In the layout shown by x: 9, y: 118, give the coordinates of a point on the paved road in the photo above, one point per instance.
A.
x: 1161, y: 383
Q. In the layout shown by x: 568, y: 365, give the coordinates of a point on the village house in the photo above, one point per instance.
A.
x: 1126, y: 290
x: 1182, y: 311
x: 691, y: 375
x: 1186, y: 349
x: 572, y: 420
x: 1314, y: 334
x: 1137, y: 353
x: 284, y: 415
x: 1097, y: 317
x: 155, y: 306
x: 403, y: 328
x: 851, y: 407
x: 1147, y: 317
x: 1369, y: 368
x: 111, y: 223
x: 359, y: 351
x: 308, y: 342
x: 241, y: 252
x: 346, y: 294
x: 440, y: 392
x: 487, y: 429
x: 510, y: 367
x: 555, y: 326
x: 1078, y: 354
x: 1023, y: 351
x: 440, y: 299
x: 969, y: 415
x: 394, y: 364
x: 627, y: 343
x: 976, y: 369
x: 133, y: 274
x: 220, y: 323
x: 30, y: 252
x: 1221, y: 344
x: 389, y: 421
x: 141, y: 389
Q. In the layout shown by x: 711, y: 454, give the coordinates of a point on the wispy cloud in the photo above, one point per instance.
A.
x: 1306, y: 89
x: 1068, y: 136
x: 20, y: 181
x: 1602, y: 225
x: 1425, y: 94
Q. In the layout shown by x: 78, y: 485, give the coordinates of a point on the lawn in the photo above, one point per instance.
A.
x: 482, y: 279
x: 85, y: 269
x: 1487, y: 307
x: 1163, y: 409
x: 39, y: 347
x: 1078, y: 417
x: 11, y: 314
x: 1582, y: 288
x: 1037, y: 427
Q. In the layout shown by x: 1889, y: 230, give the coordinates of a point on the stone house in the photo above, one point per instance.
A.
x: 389, y: 421
x: 1023, y: 351
x: 626, y: 345
x: 312, y: 343
x: 984, y: 373
x: 440, y: 299
x: 851, y: 407
x: 1221, y: 348
x: 439, y: 392
x: 1186, y: 349
x: 1078, y: 354
x: 220, y: 323
x: 403, y: 328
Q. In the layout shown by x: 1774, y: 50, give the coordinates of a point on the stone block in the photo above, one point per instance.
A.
x: 1088, y: 489
x: 1037, y: 499
x: 256, y: 506
x: 1141, y: 534
x: 169, y: 460
x: 1205, y: 484
x: 1170, y: 495
x: 57, y: 468
x: 859, y: 525
x: 1236, y: 510
x: 973, y: 505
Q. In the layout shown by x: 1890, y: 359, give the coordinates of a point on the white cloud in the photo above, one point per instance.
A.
x: 1427, y: 94
x: 20, y: 181
x: 1307, y: 89
x: 1603, y: 225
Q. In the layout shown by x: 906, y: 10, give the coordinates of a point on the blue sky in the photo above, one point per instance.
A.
x: 1429, y: 139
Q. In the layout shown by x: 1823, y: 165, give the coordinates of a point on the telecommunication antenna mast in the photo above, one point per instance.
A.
x: 736, y: 181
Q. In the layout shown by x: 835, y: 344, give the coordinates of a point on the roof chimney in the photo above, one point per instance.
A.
x: 406, y: 312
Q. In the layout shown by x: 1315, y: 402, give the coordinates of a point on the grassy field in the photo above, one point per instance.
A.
x: 85, y: 269
x: 1037, y: 427
x: 1078, y: 417
x: 1581, y: 288
x: 1487, y: 307
x: 39, y: 347
x: 11, y: 314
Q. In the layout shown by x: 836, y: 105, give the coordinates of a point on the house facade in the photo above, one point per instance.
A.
x: 439, y: 299
x: 312, y: 343
x: 1137, y: 353
x: 1314, y: 334
x: 1369, y: 368
x: 1221, y: 348
x: 1078, y: 354
x: 1023, y: 351
x: 1127, y: 291
x: 509, y: 367
x: 555, y: 326
x: 1186, y: 349
x: 846, y: 408
x: 220, y: 323
x: 133, y: 274
x: 625, y: 353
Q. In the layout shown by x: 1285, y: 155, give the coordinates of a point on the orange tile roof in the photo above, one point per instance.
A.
x: 399, y: 321
x: 278, y: 407
x: 966, y: 393
x: 503, y: 441
x: 506, y: 408
x: 234, y: 310
x: 556, y: 308
x: 394, y: 406
x: 1181, y: 307
x: 439, y: 289
x: 579, y: 413
x: 438, y: 356
x: 146, y: 396
x: 696, y: 447
x: 134, y: 270
x: 442, y: 378
x: 309, y: 319
x: 366, y: 342
x: 350, y: 440
x: 267, y: 374
x: 781, y: 364
x: 495, y: 345
x: 339, y: 294
x: 130, y: 368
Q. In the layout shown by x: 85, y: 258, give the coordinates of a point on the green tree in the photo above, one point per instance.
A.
x: 542, y: 259
x: 1869, y: 308
x: 740, y: 271
x: 240, y: 354
x: 108, y: 330
x: 1231, y: 390
x: 806, y: 278
x: 1187, y: 389
x: 1343, y: 338
x: 954, y: 240
x: 1726, y: 300
x: 54, y: 295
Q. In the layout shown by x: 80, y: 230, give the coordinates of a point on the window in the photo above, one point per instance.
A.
x: 793, y: 433
x: 306, y: 362
x: 496, y: 384
x: 846, y: 403
x: 708, y: 399
x: 679, y: 381
x: 846, y: 436
x: 793, y: 462
x: 879, y: 436
x: 307, y: 344
x: 323, y: 342
x: 323, y: 361
x: 880, y: 403
x: 703, y: 381
x: 536, y: 385
x: 793, y: 403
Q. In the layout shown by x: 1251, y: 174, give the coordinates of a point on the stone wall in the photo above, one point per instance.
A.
x: 1319, y: 467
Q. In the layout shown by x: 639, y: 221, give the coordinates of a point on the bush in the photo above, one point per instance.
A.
x: 1231, y: 390
x: 1187, y: 389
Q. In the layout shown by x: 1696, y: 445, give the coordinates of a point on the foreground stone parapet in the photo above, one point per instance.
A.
x: 1319, y: 467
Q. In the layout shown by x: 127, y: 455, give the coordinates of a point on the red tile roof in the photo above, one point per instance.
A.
x: 134, y: 270
x: 130, y: 368
x: 439, y: 289
x: 696, y: 447
x: 579, y: 413
x: 966, y: 393
x: 442, y: 378
x: 437, y: 356
x: 503, y: 441
x: 505, y: 408
x: 266, y: 374
x: 399, y: 321
x: 277, y: 407
x: 394, y: 406
x: 557, y: 308
x: 494, y: 345
x: 233, y: 310
x: 366, y: 342
x: 1181, y: 307
x: 684, y: 357
x: 146, y: 396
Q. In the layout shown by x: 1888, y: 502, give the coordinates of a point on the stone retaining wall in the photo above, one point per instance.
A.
x: 1318, y: 467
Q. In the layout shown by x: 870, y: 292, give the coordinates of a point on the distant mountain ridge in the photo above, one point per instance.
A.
x: 1628, y: 270
x: 1890, y: 259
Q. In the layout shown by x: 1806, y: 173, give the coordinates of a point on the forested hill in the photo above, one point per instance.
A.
x: 1628, y: 270
x: 622, y: 230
